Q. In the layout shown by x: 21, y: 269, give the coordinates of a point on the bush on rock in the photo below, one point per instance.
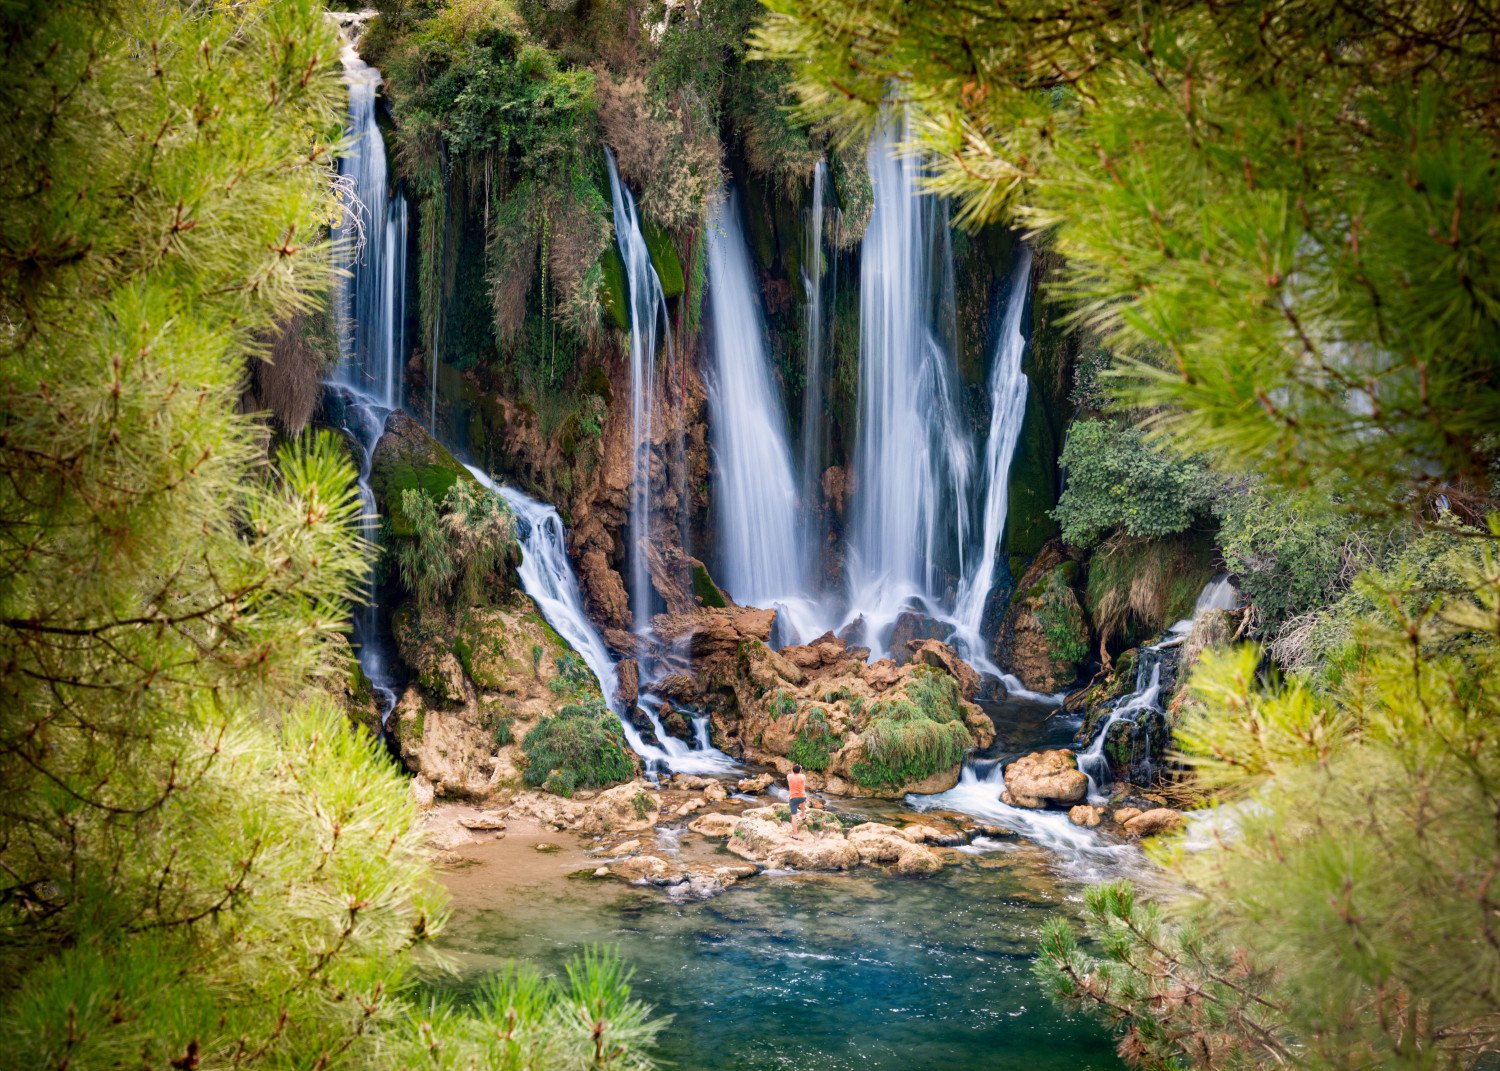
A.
x: 581, y: 746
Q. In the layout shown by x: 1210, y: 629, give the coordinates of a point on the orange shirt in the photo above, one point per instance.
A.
x: 796, y: 785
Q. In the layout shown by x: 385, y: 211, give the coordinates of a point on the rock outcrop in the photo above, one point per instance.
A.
x: 857, y: 729
x: 623, y: 808
x: 759, y: 835
x: 1045, y: 779
x: 1045, y: 636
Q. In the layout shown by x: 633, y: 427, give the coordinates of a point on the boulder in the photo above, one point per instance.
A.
x: 1086, y: 815
x: 911, y: 629
x: 925, y: 834
x: 715, y: 792
x: 941, y: 656
x: 421, y: 792
x: 485, y: 821
x: 753, y: 785
x: 628, y: 847
x: 1125, y: 814
x: 1157, y: 820
x: 1045, y: 778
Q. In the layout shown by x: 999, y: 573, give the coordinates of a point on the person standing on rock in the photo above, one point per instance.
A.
x: 796, y: 790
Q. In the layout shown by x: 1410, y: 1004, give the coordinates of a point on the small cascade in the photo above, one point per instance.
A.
x: 648, y: 312
x: 1218, y: 594
x: 762, y: 561
x: 547, y: 576
x: 371, y: 301
x: 1092, y: 761
x: 912, y: 456
x: 1142, y: 710
x: 1008, y: 387
x: 980, y: 785
x: 814, y: 427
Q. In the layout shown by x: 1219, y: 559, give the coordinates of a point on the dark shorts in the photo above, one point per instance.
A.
x: 797, y: 802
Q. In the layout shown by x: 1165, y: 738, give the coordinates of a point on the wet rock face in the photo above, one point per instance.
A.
x: 1045, y: 779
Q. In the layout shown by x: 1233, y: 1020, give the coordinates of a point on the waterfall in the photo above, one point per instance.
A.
x: 370, y: 308
x: 912, y: 457
x: 648, y: 308
x: 814, y: 428
x: 371, y: 301
x: 547, y: 576
x: 762, y: 562
x: 1008, y: 386
x: 1218, y: 594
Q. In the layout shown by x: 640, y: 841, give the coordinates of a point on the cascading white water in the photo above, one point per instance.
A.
x: 755, y: 500
x: 912, y: 458
x: 648, y: 310
x: 1008, y: 387
x: 1218, y: 594
x: 813, y: 425
x: 977, y: 794
x: 547, y: 576
x: 1147, y: 696
x: 371, y: 300
x: 370, y: 305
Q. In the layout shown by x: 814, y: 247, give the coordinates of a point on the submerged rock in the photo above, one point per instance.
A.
x: 1045, y: 779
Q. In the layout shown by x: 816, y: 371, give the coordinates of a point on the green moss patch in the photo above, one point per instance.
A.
x: 664, y: 259
x: 816, y: 742
x: 707, y: 591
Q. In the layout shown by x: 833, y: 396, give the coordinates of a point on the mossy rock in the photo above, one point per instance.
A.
x: 760, y: 226
x: 612, y: 289
x: 709, y: 594
x: 1033, y: 485
x: 408, y: 458
x: 664, y: 259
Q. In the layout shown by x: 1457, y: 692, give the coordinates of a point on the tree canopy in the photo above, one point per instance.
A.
x: 201, y: 862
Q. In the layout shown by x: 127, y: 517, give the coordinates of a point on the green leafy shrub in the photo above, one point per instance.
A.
x: 815, y: 743
x: 906, y: 748
x: 583, y: 744
x: 453, y: 548
x: 783, y: 704
x: 504, y: 732
x: 1292, y: 554
x: 1117, y: 479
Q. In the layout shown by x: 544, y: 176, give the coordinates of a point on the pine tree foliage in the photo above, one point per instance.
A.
x: 200, y: 863
x: 1280, y: 216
